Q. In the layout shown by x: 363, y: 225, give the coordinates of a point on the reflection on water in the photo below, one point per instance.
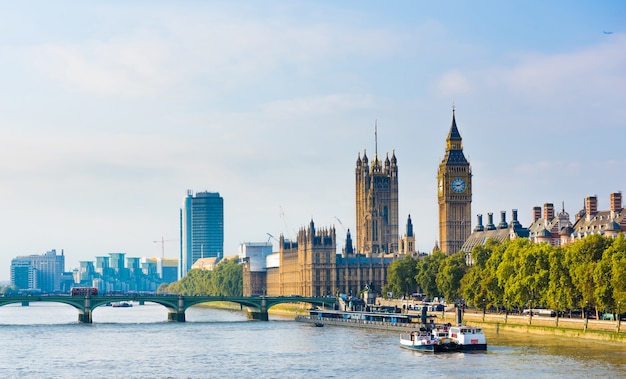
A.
x: 575, y: 348
x: 45, y: 340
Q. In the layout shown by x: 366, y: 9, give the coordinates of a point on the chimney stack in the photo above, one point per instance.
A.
x: 548, y: 211
x: 616, y: 201
x: 591, y: 205
x: 479, y: 226
x: 536, y: 213
x: 503, y: 224
x: 490, y: 225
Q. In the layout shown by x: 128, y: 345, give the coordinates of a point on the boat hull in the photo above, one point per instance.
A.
x: 474, y: 347
x: 424, y: 348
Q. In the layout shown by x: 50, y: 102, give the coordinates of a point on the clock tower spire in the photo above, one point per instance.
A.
x: 454, y: 193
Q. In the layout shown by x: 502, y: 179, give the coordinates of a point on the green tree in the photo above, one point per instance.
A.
x: 427, y: 269
x: 480, y: 284
x: 561, y: 293
x: 227, y: 278
x: 196, y: 283
x: 523, y: 273
x: 582, y: 257
x: 401, y: 277
x: 451, y: 271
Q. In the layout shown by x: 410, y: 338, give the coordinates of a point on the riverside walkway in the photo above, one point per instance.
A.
x: 257, y: 306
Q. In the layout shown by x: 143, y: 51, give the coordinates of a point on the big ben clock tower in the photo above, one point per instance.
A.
x: 454, y: 194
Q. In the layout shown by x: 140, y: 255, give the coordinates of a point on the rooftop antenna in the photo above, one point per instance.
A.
x: 376, y: 137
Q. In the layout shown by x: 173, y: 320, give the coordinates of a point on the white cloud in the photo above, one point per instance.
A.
x: 453, y: 83
x: 597, y: 71
x: 223, y: 51
x: 137, y: 67
x: 317, y: 106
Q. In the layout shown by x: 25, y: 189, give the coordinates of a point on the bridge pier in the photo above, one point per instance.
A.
x: 259, y: 314
x: 256, y: 315
x: 84, y: 315
x: 178, y: 314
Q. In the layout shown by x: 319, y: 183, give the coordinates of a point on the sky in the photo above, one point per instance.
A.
x: 111, y: 110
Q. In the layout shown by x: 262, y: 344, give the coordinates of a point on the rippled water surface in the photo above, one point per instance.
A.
x: 45, y: 341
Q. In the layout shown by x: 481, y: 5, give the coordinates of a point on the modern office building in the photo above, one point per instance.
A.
x: 22, y: 273
x: 454, y: 194
x: 201, y: 228
x: 376, y: 205
x: 45, y: 272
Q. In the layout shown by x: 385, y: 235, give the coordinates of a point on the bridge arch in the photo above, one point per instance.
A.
x: 176, y: 304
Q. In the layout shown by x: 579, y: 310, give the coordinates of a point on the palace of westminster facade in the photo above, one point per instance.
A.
x: 310, y: 266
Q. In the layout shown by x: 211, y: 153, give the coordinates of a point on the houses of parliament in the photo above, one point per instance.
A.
x: 310, y: 266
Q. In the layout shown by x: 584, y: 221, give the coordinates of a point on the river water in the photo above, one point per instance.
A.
x: 45, y: 340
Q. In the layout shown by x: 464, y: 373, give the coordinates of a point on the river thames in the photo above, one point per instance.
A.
x: 45, y: 341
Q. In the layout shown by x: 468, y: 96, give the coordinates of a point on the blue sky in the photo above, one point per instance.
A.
x: 111, y: 110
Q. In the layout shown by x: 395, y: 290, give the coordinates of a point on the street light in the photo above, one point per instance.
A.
x: 619, y: 316
x: 586, y: 316
x: 506, y: 310
x: 556, y: 322
x: 484, y: 309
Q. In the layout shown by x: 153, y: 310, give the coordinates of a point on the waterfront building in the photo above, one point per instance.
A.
x: 133, y: 264
x: 22, y: 274
x: 502, y: 232
x: 608, y: 223
x: 454, y: 194
x: 255, y: 253
x: 310, y: 266
x: 103, y: 265
x: 201, y: 228
x: 254, y: 256
x: 550, y: 228
x: 85, y: 272
x: 118, y: 273
x: 205, y: 263
x: 165, y: 268
x: 376, y: 205
x: 45, y: 271
x: 117, y: 260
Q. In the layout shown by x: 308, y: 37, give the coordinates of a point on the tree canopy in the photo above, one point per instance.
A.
x: 589, y: 273
x: 226, y: 279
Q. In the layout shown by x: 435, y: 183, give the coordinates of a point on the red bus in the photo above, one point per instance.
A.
x: 83, y: 291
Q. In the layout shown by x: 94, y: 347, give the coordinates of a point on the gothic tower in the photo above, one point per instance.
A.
x: 454, y: 194
x: 376, y: 205
x: 407, y: 243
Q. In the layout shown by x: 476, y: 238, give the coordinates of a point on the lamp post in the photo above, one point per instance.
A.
x: 586, y: 316
x: 556, y: 321
x: 484, y: 309
x: 506, y: 310
x: 619, y: 317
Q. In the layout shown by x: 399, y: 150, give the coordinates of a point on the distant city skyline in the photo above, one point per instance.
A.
x: 110, y: 111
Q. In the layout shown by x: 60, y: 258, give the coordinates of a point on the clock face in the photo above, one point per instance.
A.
x: 440, y: 186
x: 458, y: 185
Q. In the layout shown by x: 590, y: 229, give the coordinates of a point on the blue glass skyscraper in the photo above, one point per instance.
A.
x: 201, y: 228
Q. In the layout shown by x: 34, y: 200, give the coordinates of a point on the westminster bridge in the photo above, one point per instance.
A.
x: 257, y: 306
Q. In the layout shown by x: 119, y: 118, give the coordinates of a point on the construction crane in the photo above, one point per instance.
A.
x: 163, y: 241
x: 341, y: 223
x: 270, y: 237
